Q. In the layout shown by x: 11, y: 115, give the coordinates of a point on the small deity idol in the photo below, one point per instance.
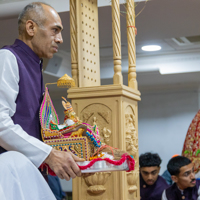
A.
x: 70, y: 116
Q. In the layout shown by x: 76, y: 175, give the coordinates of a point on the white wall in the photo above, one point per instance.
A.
x: 163, y: 122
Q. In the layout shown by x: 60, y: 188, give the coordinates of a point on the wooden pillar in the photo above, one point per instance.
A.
x: 116, y: 34
x: 88, y: 43
x: 131, y: 30
x: 113, y: 108
x: 73, y: 35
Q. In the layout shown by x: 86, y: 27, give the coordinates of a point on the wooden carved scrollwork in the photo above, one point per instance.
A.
x: 96, y: 182
x: 131, y: 139
x: 132, y: 180
x: 86, y: 116
x: 99, y: 115
x: 131, y: 136
x: 106, y: 134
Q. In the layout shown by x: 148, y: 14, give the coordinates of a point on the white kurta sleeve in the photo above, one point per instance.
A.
x: 198, y: 194
x: 12, y: 136
x: 164, y: 195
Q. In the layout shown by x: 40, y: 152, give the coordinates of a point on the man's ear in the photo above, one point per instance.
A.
x: 30, y: 28
x: 174, y: 178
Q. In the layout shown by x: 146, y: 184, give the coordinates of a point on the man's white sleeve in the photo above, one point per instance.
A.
x: 164, y: 195
x: 198, y: 194
x: 12, y: 136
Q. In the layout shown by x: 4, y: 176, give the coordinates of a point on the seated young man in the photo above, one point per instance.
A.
x: 185, y: 186
x: 151, y: 184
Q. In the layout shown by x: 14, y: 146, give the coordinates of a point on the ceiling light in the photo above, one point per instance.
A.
x: 177, y: 69
x: 151, y: 48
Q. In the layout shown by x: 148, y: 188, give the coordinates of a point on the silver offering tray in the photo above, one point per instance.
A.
x: 103, y: 166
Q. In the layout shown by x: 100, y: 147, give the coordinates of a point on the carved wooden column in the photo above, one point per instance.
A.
x: 116, y: 34
x: 131, y: 133
x: 113, y: 108
x: 73, y: 35
x: 131, y: 30
x: 88, y: 43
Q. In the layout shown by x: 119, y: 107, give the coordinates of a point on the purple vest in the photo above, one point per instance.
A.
x: 152, y: 192
x: 30, y: 89
x: 173, y: 193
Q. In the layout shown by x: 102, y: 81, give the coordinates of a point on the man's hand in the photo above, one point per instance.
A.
x: 63, y: 164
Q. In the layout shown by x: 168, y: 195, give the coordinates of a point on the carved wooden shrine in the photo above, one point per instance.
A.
x: 114, y: 107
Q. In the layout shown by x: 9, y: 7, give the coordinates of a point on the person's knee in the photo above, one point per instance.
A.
x: 13, y: 158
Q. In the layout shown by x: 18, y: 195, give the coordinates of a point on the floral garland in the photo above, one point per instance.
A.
x: 130, y: 161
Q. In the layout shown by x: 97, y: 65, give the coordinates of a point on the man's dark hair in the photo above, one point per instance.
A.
x: 33, y: 11
x: 149, y: 160
x: 176, y: 163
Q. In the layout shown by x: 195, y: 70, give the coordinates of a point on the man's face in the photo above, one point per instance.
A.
x: 150, y: 174
x: 186, y: 177
x: 46, y: 39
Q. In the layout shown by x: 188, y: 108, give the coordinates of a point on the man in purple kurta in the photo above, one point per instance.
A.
x: 21, y: 89
x: 151, y: 184
x: 185, y: 186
